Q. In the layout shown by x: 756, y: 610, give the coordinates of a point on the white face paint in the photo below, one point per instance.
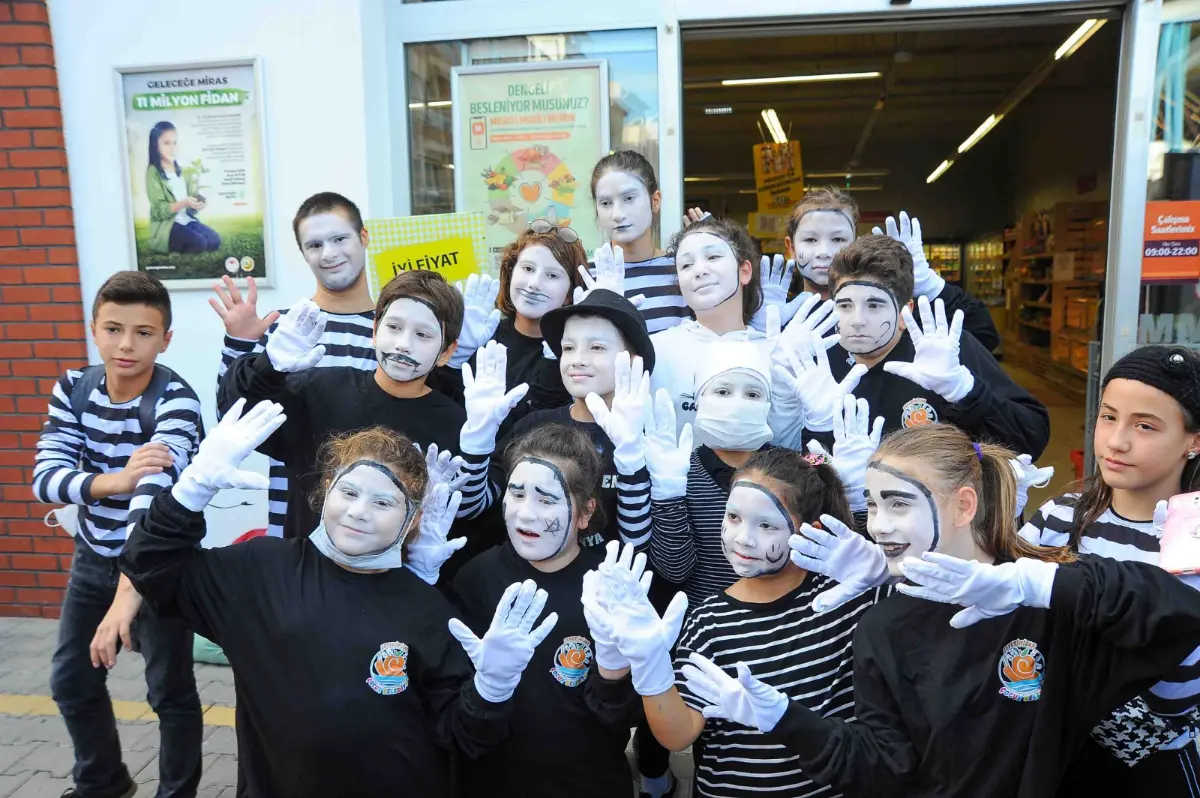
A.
x: 365, y: 512
x: 902, y: 515
x: 868, y: 319
x: 623, y: 207
x: 590, y: 345
x: 820, y: 235
x: 333, y: 249
x: 754, y: 534
x: 537, y: 510
x: 708, y: 271
x: 539, y: 283
x: 408, y: 340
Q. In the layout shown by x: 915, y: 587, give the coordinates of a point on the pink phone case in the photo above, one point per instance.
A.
x: 1179, y: 552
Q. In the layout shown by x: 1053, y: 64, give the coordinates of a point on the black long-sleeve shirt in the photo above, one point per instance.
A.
x: 570, y: 726
x: 349, y: 684
x: 999, y: 708
x: 977, y: 320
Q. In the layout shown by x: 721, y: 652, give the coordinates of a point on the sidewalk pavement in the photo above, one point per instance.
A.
x: 35, y: 751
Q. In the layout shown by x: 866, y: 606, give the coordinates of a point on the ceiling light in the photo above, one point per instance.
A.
x: 416, y: 105
x: 449, y: 166
x: 1076, y: 39
x: 847, y: 173
x: 801, y: 78
x: 980, y: 132
x: 703, y: 179
x: 771, y: 120
x: 439, y: 104
x: 941, y: 170
x: 718, y: 110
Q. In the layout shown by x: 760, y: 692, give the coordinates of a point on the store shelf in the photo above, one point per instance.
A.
x: 1035, y: 325
x: 1043, y: 256
x: 1025, y: 303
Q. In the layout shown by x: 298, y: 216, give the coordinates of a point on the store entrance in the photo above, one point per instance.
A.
x: 1002, y: 150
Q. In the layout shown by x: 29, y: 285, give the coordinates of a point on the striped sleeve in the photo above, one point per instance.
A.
x: 633, y: 507
x: 233, y: 348
x: 478, y: 492
x: 672, y: 543
x: 177, y: 425
x: 1051, y: 524
x: 57, y: 477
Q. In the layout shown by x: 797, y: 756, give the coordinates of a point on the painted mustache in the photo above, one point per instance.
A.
x: 401, y: 360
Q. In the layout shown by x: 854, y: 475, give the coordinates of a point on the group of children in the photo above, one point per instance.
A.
x: 512, y: 520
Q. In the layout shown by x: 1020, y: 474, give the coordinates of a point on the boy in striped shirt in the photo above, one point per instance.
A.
x: 108, y: 462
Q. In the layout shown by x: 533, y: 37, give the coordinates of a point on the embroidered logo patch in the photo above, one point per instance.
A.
x: 389, y: 669
x: 1020, y: 670
x: 571, y: 661
x: 917, y: 413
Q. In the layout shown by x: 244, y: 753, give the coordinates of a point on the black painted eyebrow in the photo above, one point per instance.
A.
x: 888, y: 494
x: 547, y: 494
x: 515, y: 486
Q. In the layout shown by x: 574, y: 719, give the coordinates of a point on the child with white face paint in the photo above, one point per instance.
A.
x: 757, y: 619
x: 375, y: 642
x: 1045, y: 648
x: 577, y: 699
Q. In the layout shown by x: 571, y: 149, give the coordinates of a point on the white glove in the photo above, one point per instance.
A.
x: 480, y: 317
x: 640, y: 634
x: 428, y: 552
x: 1029, y: 476
x: 813, y: 315
x: 853, y: 445
x: 804, y: 372
x: 547, y: 352
x: 443, y: 469
x: 840, y: 553
x: 215, y: 465
x: 743, y: 700
x: 776, y: 280
x: 599, y: 619
x: 610, y: 274
x: 926, y: 282
x: 936, y: 365
x: 987, y: 591
x: 295, y: 344
x: 625, y: 421
x: 1159, y: 519
x: 487, y: 403
x: 501, y: 656
x: 668, y: 453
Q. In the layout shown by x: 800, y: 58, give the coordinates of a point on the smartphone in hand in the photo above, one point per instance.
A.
x: 1179, y: 552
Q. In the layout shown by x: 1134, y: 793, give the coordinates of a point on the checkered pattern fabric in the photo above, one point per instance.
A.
x: 404, y: 230
x: 1133, y: 732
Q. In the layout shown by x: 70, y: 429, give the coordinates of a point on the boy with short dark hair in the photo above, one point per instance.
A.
x: 101, y: 450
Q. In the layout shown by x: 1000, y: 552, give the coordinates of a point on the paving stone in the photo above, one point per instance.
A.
x: 44, y: 729
x: 138, y: 762
x: 57, y: 760
x: 42, y: 785
x: 222, y: 740
x: 220, y: 770
x: 217, y: 693
x: 147, y: 789
x: 18, y: 729
x: 139, y: 736
x: 11, y: 757
x: 10, y: 784
x: 148, y: 775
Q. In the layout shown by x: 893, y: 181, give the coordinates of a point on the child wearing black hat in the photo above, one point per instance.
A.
x: 1146, y: 442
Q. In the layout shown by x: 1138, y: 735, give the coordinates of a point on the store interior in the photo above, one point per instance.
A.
x: 1000, y: 148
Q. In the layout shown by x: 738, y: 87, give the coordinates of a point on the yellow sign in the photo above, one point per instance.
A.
x: 451, y: 244
x: 778, y: 176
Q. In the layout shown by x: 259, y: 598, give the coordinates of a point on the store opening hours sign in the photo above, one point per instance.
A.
x: 1171, y: 248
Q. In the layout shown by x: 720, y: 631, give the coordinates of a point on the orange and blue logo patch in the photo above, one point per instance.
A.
x: 917, y: 413
x: 571, y: 661
x: 389, y: 669
x: 1020, y: 669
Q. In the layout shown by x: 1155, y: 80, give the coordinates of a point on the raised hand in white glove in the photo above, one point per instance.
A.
x: 840, y: 553
x: 501, y: 655
x: 444, y: 468
x: 215, y: 465
x: 1028, y: 476
x: 295, y: 344
x: 595, y: 612
x: 935, y: 365
x: 625, y: 421
x: 803, y: 371
x: 776, y: 280
x: 487, y: 403
x: 926, y: 282
x: 480, y: 316
x: 854, y: 441
x: 610, y: 275
x: 987, y: 591
x: 642, y: 637
x: 744, y: 700
x: 428, y: 552
x: 668, y: 453
x: 813, y: 316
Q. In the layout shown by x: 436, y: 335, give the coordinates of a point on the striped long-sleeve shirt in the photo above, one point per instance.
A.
x: 655, y: 279
x: 73, y: 452
x: 347, y: 342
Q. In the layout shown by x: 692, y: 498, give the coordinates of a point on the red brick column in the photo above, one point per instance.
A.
x: 41, y: 314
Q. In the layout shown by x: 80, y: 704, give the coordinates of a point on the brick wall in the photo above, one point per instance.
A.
x: 41, y: 315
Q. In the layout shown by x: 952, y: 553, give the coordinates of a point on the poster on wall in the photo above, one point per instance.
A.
x: 451, y: 244
x: 526, y: 137
x: 778, y: 176
x: 194, y: 171
x: 1171, y: 241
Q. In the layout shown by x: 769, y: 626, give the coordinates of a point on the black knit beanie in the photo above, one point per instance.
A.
x: 1174, y: 370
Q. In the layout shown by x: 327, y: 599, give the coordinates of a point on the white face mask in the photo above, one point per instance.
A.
x: 902, y: 515
x: 537, y: 510
x: 333, y: 249
x: 708, y: 271
x: 590, y: 345
x: 623, y: 207
x: 820, y: 235
x: 754, y: 534
x: 408, y: 340
x: 868, y: 318
x: 732, y: 410
x: 539, y: 283
x: 367, y: 515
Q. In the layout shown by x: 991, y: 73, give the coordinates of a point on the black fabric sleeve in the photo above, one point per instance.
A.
x: 976, y: 318
x: 997, y: 409
x: 463, y: 720
x: 613, y: 702
x: 253, y: 378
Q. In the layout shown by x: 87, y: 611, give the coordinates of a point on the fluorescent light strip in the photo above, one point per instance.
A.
x: 847, y: 173
x: 718, y: 110
x: 771, y: 120
x: 432, y: 104
x: 979, y: 133
x: 941, y: 170
x: 1076, y: 39
x: 801, y: 79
